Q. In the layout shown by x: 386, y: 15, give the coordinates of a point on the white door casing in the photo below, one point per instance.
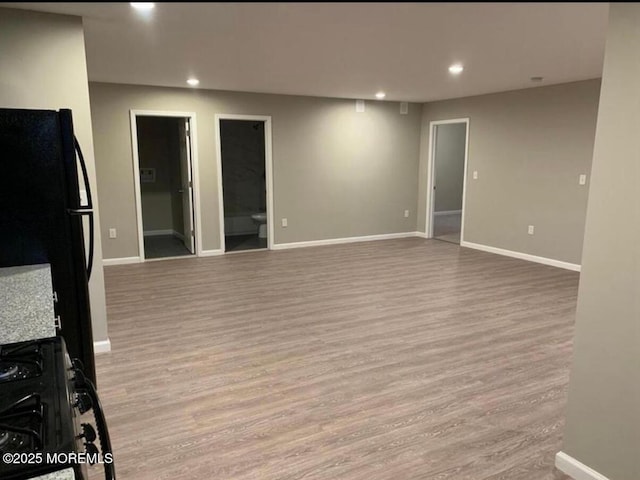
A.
x: 192, y: 146
x: 186, y: 188
x: 268, y: 158
x: 430, y: 200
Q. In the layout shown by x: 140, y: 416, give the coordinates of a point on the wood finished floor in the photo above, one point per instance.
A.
x: 400, y: 359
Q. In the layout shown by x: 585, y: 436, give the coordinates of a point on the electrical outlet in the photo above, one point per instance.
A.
x: 406, y: 214
x: 112, y: 233
x: 531, y: 229
x: 582, y: 180
x: 475, y: 174
x: 285, y: 223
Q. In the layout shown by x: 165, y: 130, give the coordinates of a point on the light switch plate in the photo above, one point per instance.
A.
x: 404, y: 108
x: 112, y: 233
x: 582, y: 180
x: 359, y: 106
x: 475, y: 174
x: 406, y: 214
x: 284, y: 222
x: 147, y: 175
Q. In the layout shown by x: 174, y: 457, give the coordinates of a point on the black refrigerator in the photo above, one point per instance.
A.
x: 41, y: 216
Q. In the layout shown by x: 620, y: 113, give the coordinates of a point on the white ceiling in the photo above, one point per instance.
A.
x: 347, y: 50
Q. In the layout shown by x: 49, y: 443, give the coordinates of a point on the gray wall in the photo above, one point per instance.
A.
x: 337, y: 173
x: 529, y: 147
x: 42, y: 65
x: 603, y: 414
x: 158, y: 147
x: 449, y: 166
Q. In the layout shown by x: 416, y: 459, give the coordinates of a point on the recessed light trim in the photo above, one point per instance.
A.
x: 143, y: 6
x: 456, y: 69
x: 380, y: 95
x: 194, y: 82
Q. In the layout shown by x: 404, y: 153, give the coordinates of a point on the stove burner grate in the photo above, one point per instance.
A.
x: 22, y: 425
x: 20, y: 361
x: 8, y: 370
x: 4, y: 439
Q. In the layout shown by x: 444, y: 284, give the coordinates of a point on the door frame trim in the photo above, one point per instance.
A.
x: 268, y: 160
x: 195, y: 179
x: 431, y: 170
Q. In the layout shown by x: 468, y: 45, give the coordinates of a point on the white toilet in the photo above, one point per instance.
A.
x: 261, y: 220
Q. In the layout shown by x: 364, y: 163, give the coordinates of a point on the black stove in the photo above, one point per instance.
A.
x: 43, y: 399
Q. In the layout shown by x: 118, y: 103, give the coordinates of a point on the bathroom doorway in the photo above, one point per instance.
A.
x: 165, y: 166
x: 244, y: 155
x: 447, y: 179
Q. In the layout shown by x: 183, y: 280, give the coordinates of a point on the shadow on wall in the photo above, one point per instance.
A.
x: 159, y: 150
x: 243, y: 174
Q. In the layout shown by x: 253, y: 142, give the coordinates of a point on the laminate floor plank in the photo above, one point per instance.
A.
x: 399, y: 359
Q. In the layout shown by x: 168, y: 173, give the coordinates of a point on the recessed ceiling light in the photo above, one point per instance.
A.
x: 380, y: 95
x: 456, y: 68
x: 537, y: 79
x: 143, y: 6
x: 193, y: 82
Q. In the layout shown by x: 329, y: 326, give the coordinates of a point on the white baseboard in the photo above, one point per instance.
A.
x: 387, y: 236
x: 336, y: 241
x: 522, y: 256
x: 447, y: 212
x: 120, y: 261
x: 575, y: 469
x: 178, y: 235
x: 103, y: 346
x: 211, y: 253
x: 157, y: 233
x: 129, y: 260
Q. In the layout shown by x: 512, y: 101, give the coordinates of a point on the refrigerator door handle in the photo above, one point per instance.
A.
x: 89, y: 213
x: 89, y: 208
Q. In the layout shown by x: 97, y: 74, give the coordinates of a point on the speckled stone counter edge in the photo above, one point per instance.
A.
x: 26, y: 303
x: 61, y: 475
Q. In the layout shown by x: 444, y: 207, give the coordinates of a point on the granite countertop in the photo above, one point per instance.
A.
x: 27, y: 313
x: 61, y: 475
x: 26, y: 303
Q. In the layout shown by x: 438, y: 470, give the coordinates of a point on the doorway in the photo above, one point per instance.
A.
x: 447, y: 180
x: 163, y: 160
x: 244, y: 155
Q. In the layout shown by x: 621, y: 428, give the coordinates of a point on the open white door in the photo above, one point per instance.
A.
x: 187, y: 186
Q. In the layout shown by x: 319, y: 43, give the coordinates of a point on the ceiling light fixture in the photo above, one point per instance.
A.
x: 456, y: 69
x: 143, y: 6
x: 380, y: 95
x: 193, y: 82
